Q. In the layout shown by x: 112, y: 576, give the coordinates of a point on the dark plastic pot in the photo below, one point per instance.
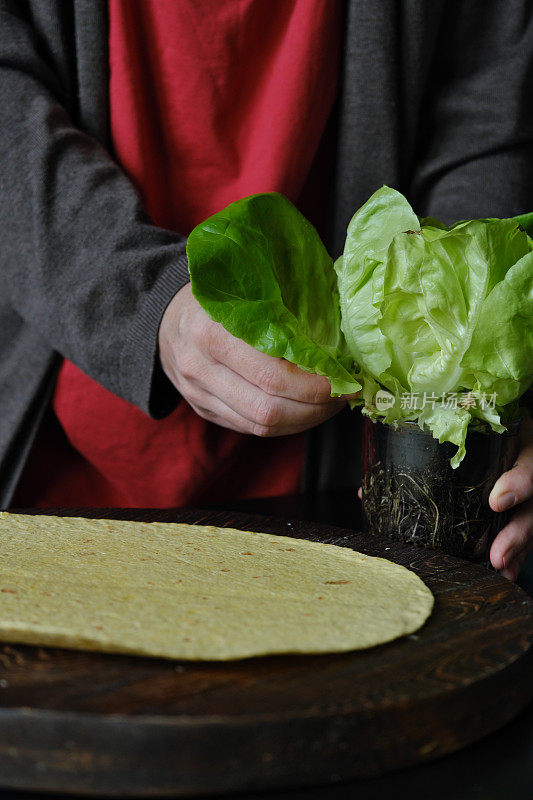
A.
x: 412, y: 494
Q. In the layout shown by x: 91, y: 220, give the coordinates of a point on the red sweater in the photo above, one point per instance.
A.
x: 210, y: 101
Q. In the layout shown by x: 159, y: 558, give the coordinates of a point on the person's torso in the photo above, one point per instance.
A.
x: 209, y: 102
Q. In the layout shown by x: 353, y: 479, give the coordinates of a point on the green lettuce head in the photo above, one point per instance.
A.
x: 439, y: 317
x: 433, y: 323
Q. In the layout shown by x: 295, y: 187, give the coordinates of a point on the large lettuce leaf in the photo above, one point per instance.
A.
x: 501, y: 348
x: 260, y: 269
x: 360, y: 272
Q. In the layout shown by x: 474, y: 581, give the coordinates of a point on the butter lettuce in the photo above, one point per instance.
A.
x: 442, y: 315
x: 430, y: 311
x: 260, y: 269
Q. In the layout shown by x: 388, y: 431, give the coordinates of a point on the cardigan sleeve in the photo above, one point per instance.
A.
x: 80, y: 260
x: 474, y: 149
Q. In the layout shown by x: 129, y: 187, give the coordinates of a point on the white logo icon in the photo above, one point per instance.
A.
x: 384, y: 400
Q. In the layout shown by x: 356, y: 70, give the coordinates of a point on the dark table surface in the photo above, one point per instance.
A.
x: 498, y: 767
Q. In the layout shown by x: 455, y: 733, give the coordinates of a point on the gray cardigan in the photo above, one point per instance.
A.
x: 435, y: 100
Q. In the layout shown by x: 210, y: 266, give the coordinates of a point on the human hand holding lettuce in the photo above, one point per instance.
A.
x: 228, y: 382
x: 411, y: 306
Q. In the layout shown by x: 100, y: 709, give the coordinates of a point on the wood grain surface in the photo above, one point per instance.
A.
x: 125, y: 726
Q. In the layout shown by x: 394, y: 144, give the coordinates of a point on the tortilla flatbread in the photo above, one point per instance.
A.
x: 195, y: 592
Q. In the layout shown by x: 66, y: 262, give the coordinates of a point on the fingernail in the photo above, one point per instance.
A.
x: 508, y: 573
x: 350, y: 396
x: 506, y: 500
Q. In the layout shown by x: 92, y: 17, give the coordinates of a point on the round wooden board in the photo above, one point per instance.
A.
x: 118, y: 725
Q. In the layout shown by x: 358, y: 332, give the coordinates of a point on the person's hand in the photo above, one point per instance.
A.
x: 514, y: 489
x: 228, y: 382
